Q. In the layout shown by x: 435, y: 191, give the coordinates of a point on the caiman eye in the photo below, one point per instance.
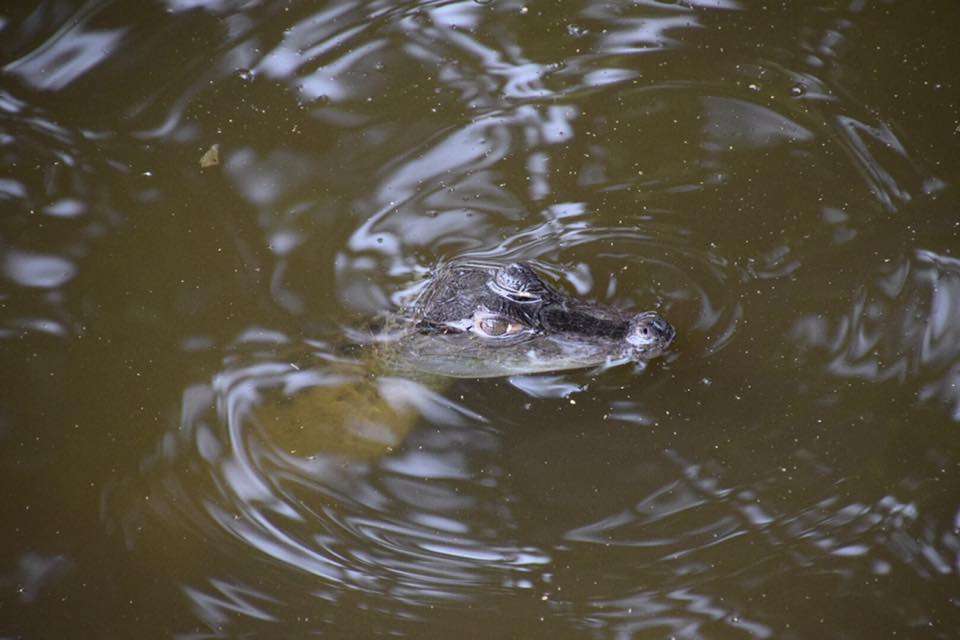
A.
x: 495, y: 327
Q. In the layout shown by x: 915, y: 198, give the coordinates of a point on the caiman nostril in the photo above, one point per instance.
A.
x: 649, y: 334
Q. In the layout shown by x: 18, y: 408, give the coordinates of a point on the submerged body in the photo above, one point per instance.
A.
x: 470, y: 320
x: 477, y: 320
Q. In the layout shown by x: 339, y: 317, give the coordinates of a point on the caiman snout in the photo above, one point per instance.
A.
x: 650, y: 334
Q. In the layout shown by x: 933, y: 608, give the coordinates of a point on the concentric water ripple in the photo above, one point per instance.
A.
x: 394, y: 526
x: 186, y: 345
x: 900, y: 326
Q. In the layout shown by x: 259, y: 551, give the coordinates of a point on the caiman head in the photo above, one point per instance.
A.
x: 475, y: 320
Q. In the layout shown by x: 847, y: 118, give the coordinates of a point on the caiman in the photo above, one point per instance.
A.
x: 470, y: 320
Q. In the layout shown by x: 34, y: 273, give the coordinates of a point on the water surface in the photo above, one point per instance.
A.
x: 779, y: 180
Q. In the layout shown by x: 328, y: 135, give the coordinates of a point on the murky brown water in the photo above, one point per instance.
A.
x: 779, y: 179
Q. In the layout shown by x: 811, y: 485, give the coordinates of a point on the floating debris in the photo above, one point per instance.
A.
x: 211, y: 158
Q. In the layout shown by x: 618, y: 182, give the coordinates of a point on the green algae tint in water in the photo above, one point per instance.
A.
x: 779, y: 180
